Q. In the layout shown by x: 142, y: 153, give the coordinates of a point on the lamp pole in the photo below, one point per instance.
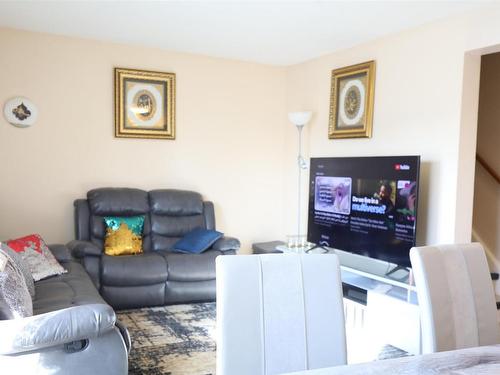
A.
x: 300, y: 119
x: 302, y: 165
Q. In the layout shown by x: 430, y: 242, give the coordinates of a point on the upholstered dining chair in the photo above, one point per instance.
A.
x: 456, y: 297
x: 279, y: 313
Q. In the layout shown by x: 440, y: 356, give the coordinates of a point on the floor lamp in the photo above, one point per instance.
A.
x: 300, y: 119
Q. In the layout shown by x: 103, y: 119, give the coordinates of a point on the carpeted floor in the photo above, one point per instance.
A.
x: 180, y: 340
x: 172, y: 340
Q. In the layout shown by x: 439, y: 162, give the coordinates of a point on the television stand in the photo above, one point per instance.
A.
x: 391, y: 310
x: 387, y: 290
x: 325, y: 250
x: 398, y: 268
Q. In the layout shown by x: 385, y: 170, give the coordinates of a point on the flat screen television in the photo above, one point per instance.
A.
x: 365, y: 205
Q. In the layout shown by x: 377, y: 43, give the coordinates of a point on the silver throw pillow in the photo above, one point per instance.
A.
x: 15, y: 300
x: 36, y: 254
x: 23, y: 267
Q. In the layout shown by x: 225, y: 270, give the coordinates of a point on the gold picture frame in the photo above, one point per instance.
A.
x: 351, y: 101
x: 144, y: 104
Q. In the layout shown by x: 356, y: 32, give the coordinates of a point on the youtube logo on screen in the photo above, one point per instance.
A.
x: 402, y: 167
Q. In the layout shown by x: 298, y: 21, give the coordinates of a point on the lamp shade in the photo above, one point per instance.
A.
x: 300, y: 118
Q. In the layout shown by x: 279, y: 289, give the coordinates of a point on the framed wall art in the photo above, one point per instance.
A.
x: 351, y: 101
x: 144, y: 104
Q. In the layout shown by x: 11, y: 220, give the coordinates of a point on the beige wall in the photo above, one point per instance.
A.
x: 233, y: 141
x: 486, y: 220
x: 425, y: 103
x: 229, y: 146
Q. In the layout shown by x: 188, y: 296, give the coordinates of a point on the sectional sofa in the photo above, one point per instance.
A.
x: 72, y: 330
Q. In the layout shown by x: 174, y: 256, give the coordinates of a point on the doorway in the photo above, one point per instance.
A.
x: 486, y: 206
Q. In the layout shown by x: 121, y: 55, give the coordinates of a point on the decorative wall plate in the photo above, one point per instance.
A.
x: 20, y: 112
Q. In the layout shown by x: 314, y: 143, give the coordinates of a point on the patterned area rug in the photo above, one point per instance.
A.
x: 180, y: 340
x: 172, y: 340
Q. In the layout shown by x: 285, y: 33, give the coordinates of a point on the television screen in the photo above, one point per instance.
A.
x: 365, y: 205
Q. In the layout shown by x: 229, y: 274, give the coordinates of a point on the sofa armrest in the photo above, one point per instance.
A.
x: 80, y: 249
x: 61, y: 253
x: 226, y: 244
x: 125, y: 334
x: 55, y: 328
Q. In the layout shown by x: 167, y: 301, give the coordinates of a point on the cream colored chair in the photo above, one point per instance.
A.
x: 455, y: 295
x: 279, y: 313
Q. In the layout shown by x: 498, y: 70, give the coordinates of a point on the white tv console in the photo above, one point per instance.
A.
x: 387, y: 305
x: 392, y: 311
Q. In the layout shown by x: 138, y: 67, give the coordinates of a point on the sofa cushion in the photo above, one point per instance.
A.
x: 196, y: 291
x: 118, y: 202
x: 60, y: 252
x: 23, y: 267
x: 37, y: 255
x: 163, y: 243
x: 123, y: 235
x: 133, y: 270
x: 197, y: 241
x: 73, y: 288
x: 175, y: 226
x: 129, y: 297
x: 15, y: 300
x: 191, y: 267
x: 175, y: 202
x: 174, y: 213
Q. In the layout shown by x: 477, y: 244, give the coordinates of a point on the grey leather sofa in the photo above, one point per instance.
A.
x: 73, y: 330
x: 157, y: 276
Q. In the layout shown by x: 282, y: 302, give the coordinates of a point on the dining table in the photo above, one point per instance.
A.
x: 471, y: 361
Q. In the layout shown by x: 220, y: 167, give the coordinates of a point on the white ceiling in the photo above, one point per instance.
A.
x: 272, y: 32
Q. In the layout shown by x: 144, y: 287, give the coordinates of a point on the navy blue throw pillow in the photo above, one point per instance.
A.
x: 197, y: 241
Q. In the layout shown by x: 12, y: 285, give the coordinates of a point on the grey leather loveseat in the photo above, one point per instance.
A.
x: 157, y: 276
x: 72, y: 330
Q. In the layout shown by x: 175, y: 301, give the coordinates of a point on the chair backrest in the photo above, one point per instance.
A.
x: 455, y: 295
x: 279, y: 313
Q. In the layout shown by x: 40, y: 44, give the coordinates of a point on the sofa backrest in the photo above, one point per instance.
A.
x: 169, y: 214
x: 116, y: 202
x: 173, y: 213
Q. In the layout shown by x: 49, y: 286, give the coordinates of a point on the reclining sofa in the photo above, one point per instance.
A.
x: 72, y: 330
x: 157, y: 276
